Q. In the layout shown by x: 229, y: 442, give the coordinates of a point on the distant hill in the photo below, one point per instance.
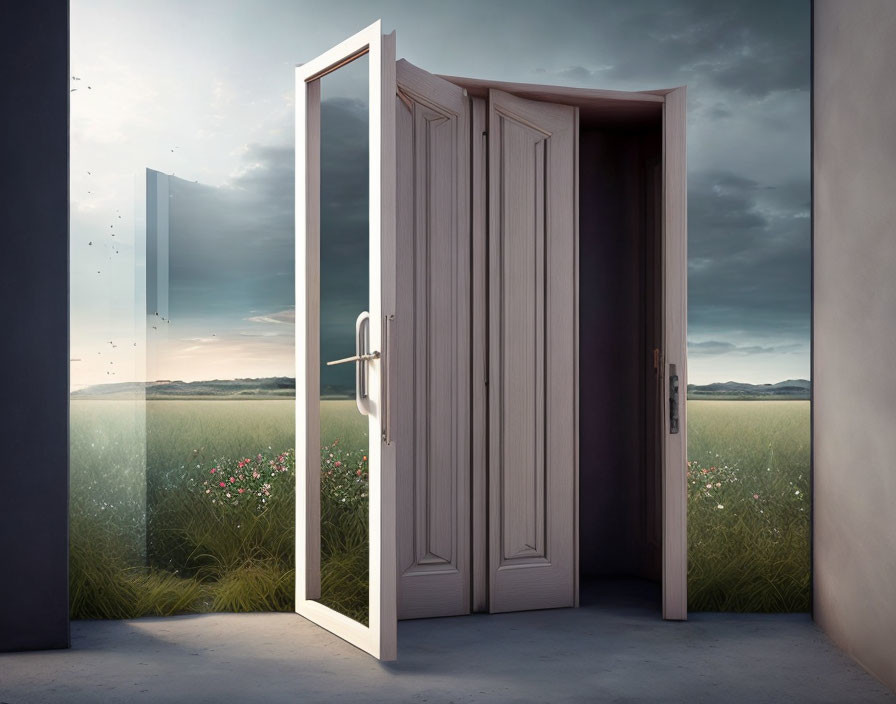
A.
x: 285, y: 387
x: 793, y: 389
x: 272, y: 387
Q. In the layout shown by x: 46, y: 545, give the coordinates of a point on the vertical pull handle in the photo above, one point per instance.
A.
x: 673, y: 399
x: 386, y: 393
x: 362, y: 352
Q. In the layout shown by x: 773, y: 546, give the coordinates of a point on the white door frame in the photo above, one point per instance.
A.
x: 379, y: 638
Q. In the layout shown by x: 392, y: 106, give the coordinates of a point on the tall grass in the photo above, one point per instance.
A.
x: 748, y: 506
x: 152, y: 534
x: 147, y: 540
x: 344, y: 510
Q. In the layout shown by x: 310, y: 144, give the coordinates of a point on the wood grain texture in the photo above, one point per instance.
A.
x: 532, y: 374
x: 479, y: 224
x: 434, y: 345
x: 675, y: 605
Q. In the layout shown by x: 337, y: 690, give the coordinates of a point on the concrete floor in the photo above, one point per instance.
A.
x: 615, y: 649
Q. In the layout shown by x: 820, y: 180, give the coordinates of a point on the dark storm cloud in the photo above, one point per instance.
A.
x: 344, y: 224
x: 232, y: 248
x: 713, y: 348
x: 746, y: 66
x: 743, y: 47
x: 748, y: 256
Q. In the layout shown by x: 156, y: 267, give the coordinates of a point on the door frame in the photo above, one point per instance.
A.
x: 379, y: 638
x: 672, y: 104
x: 675, y: 353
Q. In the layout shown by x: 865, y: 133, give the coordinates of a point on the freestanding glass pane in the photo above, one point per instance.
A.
x: 344, y: 291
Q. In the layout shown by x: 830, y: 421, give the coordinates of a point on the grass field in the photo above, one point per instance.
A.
x: 153, y: 533
x: 748, y: 506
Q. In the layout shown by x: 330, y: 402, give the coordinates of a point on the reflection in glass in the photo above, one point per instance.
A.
x: 344, y: 265
x: 220, y: 493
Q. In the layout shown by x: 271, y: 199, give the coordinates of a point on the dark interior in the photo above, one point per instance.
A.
x: 620, y: 197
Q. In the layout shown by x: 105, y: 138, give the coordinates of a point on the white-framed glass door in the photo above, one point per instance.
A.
x: 345, y: 246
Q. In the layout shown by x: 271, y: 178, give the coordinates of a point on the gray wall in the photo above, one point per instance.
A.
x: 34, y: 349
x: 855, y: 329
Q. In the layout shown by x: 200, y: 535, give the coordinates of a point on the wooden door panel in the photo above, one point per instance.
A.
x: 532, y: 353
x: 433, y: 342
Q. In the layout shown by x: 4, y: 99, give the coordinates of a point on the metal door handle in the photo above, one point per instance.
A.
x: 362, y: 355
x: 355, y: 358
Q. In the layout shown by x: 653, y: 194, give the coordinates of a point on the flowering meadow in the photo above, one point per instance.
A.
x: 749, y: 507
x: 197, y: 512
x: 154, y: 532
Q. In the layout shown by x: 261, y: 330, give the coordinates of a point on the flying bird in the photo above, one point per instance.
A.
x: 75, y: 78
x: 73, y: 90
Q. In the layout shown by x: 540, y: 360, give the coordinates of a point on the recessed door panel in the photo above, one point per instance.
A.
x: 432, y: 345
x: 532, y: 358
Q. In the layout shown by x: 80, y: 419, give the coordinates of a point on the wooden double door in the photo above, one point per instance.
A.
x: 453, y: 203
x: 486, y: 417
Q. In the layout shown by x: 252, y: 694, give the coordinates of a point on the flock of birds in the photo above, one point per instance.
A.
x: 115, y: 250
x: 114, y: 247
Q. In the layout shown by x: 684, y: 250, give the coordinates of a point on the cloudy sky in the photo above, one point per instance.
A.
x: 204, y: 91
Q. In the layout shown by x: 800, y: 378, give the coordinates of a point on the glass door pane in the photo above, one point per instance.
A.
x: 345, y: 254
x: 344, y: 279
